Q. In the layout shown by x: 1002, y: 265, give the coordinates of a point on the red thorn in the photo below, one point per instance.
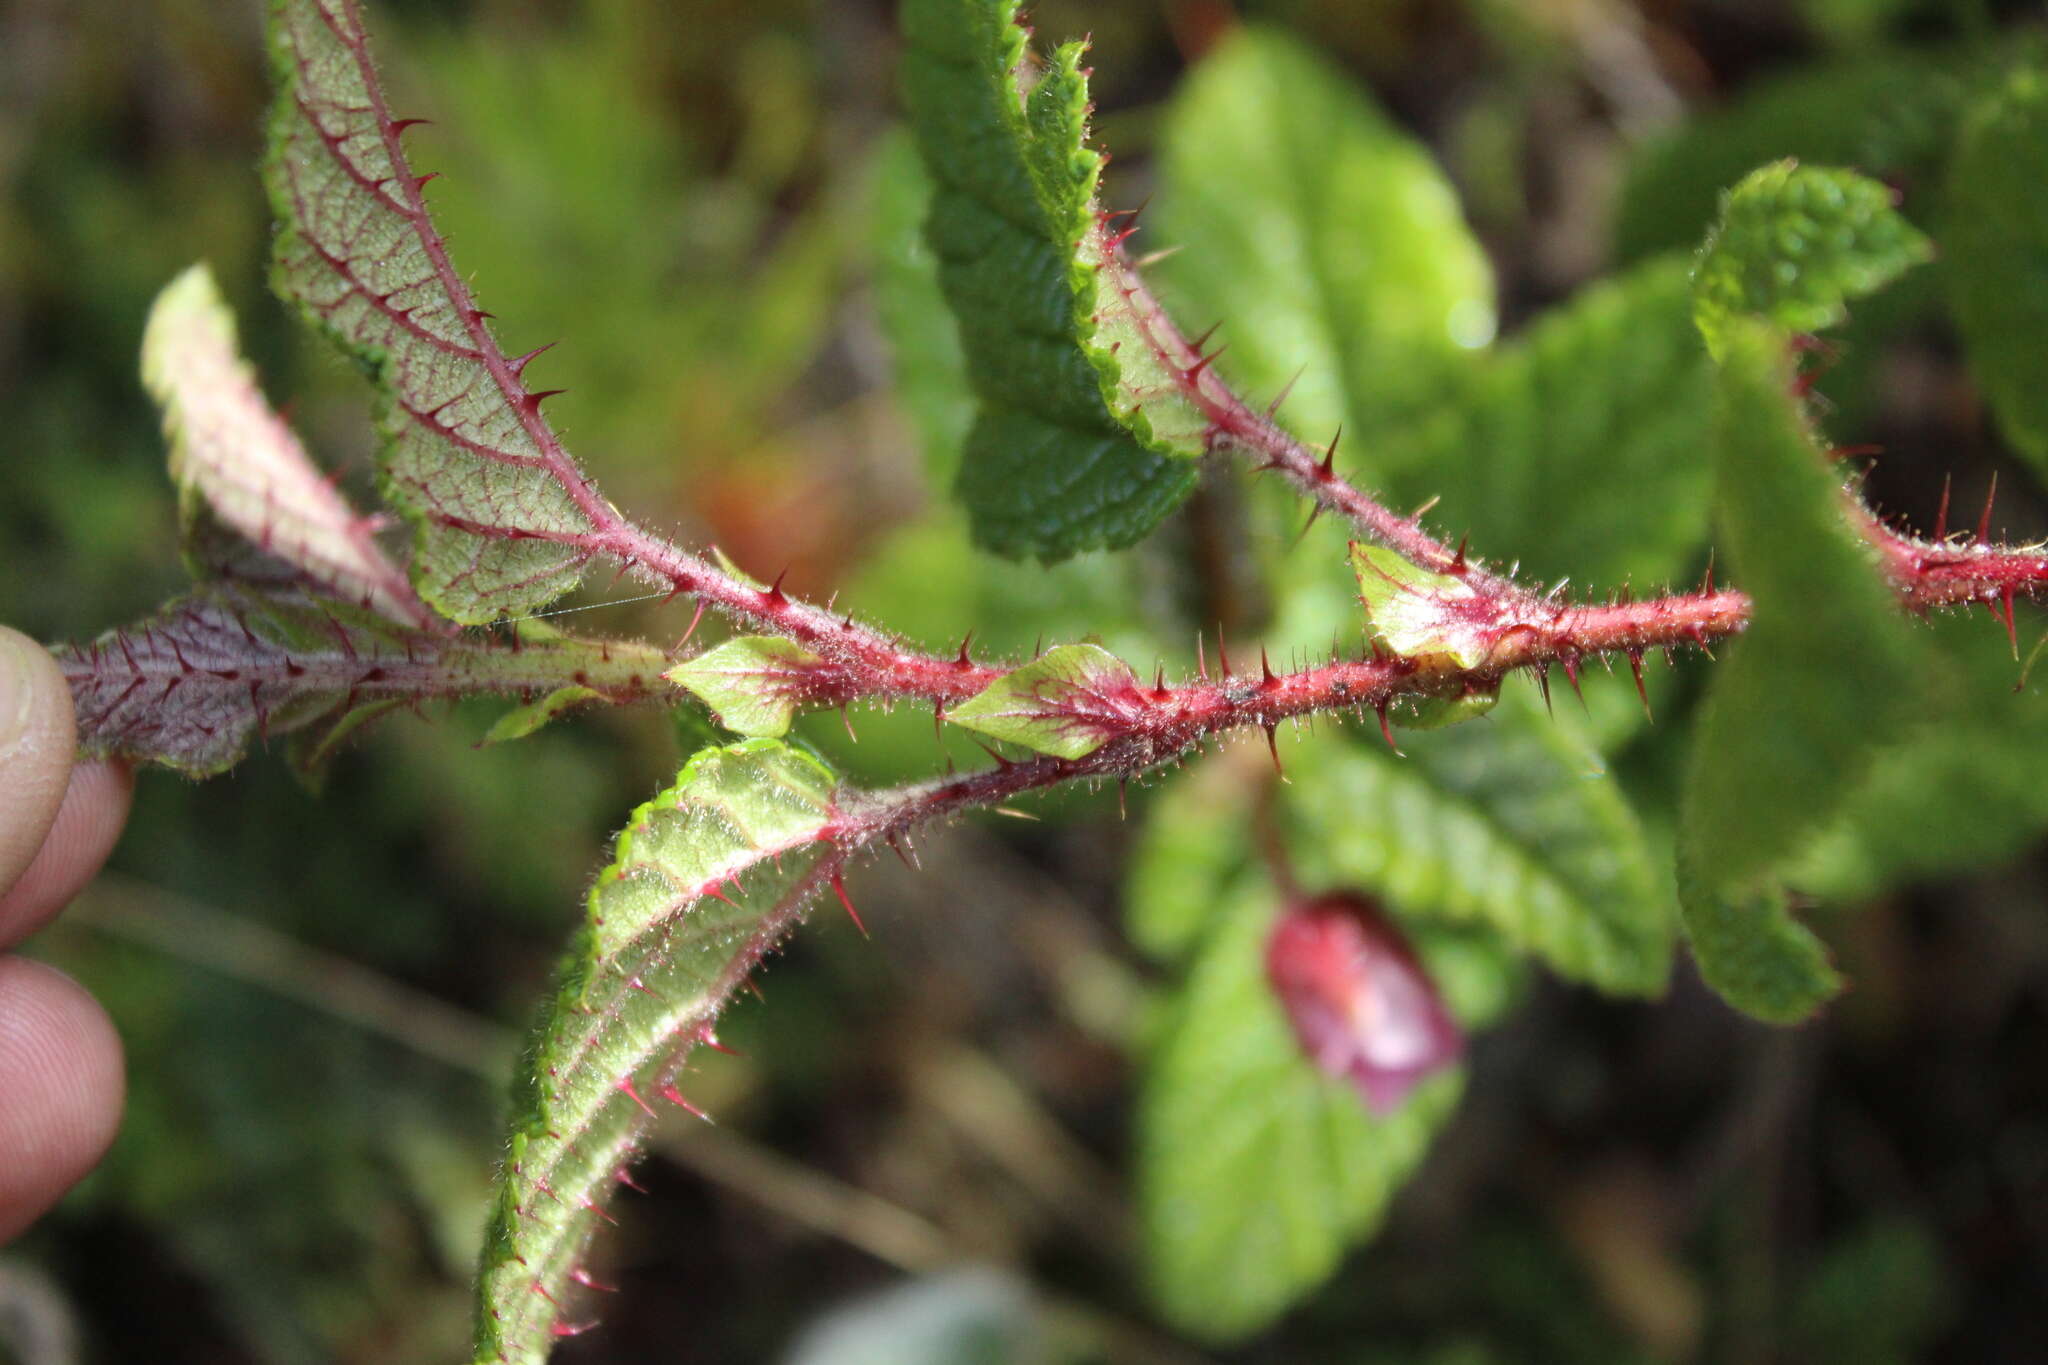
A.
x: 535, y: 399
x: 1543, y: 686
x: 846, y: 719
x: 599, y: 1209
x: 1001, y: 762
x: 1201, y: 658
x: 839, y: 889
x: 419, y: 182
x: 2011, y: 631
x: 939, y: 721
x: 1160, y: 690
x: 675, y: 1097
x: 1327, y: 470
x: 1222, y: 650
x: 773, y: 597
x: 712, y: 890
x: 1273, y: 747
x: 1707, y: 583
x: 1984, y: 522
x: 1941, y: 517
x: 1386, y: 730
x: 625, y: 1087
x: 1458, y: 559
x: 518, y: 367
x: 1315, y: 510
x: 1285, y: 390
x: 1570, y: 665
x: 1194, y: 371
x: 570, y: 1329
x: 897, y: 844
x: 1267, y: 681
x: 590, y: 1281
x: 1635, y: 666
x: 399, y: 125
x: 625, y: 1177
x: 963, y: 661
x: 696, y: 619
x: 710, y: 1040
x: 1199, y: 342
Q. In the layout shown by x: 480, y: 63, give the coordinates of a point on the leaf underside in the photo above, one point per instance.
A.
x: 708, y: 877
x: 1061, y: 457
x: 468, y: 458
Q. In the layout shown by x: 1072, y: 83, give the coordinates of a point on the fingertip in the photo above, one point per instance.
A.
x: 88, y: 823
x: 62, y: 1086
x: 37, y: 740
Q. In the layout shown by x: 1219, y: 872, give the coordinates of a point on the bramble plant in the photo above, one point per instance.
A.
x: 1335, y: 923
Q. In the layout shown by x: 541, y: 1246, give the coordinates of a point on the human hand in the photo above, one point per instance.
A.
x: 61, y: 1080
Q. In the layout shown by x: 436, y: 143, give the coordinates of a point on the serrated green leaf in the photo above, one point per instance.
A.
x: 522, y: 721
x: 468, y: 460
x: 1997, y: 232
x: 1325, y: 239
x: 1575, y: 446
x: 754, y: 684
x: 1507, y: 823
x: 1256, y: 1172
x: 709, y: 876
x: 1793, y: 244
x: 1827, y: 672
x: 1067, y: 702
x: 1079, y: 444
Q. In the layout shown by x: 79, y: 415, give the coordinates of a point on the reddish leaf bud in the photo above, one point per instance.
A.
x: 1360, y: 1002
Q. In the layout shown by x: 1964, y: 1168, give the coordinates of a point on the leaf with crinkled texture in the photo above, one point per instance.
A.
x: 496, y: 503
x: 1793, y: 244
x: 1827, y: 673
x: 1997, y: 234
x: 709, y: 877
x: 234, y: 456
x: 1328, y: 243
x: 1082, y: 441
x: 1256, y: 1172
x: 1068, y: 702
x: 755, y: 684
x: 191, y: 686
x: 1598, y: 480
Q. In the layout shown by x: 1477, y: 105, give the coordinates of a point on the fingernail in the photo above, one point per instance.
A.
x: 17, y: 691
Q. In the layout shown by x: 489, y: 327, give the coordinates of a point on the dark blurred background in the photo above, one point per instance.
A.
x: 319, y: 995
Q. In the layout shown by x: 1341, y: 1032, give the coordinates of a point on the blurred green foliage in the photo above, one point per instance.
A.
x: 711, y: 216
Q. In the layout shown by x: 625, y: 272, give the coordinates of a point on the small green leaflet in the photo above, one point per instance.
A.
x: 1828, y: 673
x: 1067, y: 451
x: 1414, y: 611
x: 1794, y: 243
x: 755, y: 684
x: 522, y: 721
x: 1997, y: 234
x: 1067, y: 702
x: 709, y: 876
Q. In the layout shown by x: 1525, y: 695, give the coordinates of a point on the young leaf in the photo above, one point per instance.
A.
x: 1418, y: 613
x: 1826, y: 675
x: 1794, y: 243
x: 1081, y: 442
x: 709, y: 876
x: 1997, y: 229
x: 1067, y: 702
x: 232, y: 455
x: 754, y: 684
x: 1257, y: 1172
x: 1326, y: 240
x: 496, y: 502
x: 189, y: 687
